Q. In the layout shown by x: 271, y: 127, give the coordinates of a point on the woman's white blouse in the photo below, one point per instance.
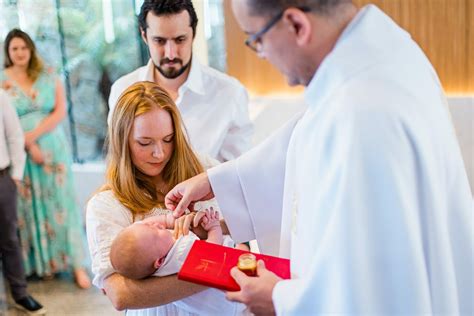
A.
x: 105, y: 218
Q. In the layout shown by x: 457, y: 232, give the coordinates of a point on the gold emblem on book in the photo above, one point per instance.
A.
x: 204, y: 265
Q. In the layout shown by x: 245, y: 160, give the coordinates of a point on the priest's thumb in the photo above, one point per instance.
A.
x: 261, y: 267
x: 181, y: 207
x: 238, y: 276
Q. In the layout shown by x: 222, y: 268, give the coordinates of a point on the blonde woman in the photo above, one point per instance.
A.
x: 148, y: 154
x: 50, y: 223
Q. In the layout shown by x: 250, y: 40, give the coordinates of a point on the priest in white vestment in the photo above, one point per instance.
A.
x: 365, y: 192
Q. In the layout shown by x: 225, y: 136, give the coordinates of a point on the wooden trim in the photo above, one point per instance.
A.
x: 258, y: 75
x: 444, y: 29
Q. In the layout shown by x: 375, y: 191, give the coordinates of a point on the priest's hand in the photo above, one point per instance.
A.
x: 184, y: 194
x: 255, y: 292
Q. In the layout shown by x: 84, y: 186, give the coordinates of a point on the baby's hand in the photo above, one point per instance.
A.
x: 210, y: 219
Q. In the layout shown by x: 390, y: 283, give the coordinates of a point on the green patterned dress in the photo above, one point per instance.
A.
x: 50, y: 223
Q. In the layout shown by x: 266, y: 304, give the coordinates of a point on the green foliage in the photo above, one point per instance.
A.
x: 85, y: 39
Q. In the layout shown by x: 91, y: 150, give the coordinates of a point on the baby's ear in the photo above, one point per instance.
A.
x: 158, y: 263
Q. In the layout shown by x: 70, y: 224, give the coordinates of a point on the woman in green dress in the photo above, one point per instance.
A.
x: 50, y: 223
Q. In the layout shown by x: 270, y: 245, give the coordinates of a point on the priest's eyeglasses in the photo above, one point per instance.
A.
x: 254, y: 40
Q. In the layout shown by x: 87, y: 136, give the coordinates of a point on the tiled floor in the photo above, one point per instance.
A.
x: 61, y: 296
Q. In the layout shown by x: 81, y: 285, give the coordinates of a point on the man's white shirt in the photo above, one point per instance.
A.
x: 213, y: 105
x: 12, y: 141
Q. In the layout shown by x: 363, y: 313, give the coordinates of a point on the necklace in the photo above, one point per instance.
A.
x: 162, y: 191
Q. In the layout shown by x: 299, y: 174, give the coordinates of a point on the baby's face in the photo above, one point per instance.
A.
x: 157, y: 238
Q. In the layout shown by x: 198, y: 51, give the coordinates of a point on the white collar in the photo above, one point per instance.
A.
x: 148, y: 73
x: 350, y: 54
x: 194, y: 82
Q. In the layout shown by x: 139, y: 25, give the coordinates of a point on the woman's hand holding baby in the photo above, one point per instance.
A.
x: 199, y: 222
x: 182, y: 225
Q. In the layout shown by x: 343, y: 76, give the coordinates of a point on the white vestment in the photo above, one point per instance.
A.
x: 377, y: 210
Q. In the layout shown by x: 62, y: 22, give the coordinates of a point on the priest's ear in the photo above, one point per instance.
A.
x: 299, y: 24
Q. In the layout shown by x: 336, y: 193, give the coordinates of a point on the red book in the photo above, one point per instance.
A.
x: 209, y: 264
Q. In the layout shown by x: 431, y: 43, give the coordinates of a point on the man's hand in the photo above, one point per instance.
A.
x: 17, y: 184
x: 255, y: 292
x: 184, y: 194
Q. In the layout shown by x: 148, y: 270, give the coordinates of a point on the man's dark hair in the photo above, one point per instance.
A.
x: 273, y: 7
x: 167, y: 7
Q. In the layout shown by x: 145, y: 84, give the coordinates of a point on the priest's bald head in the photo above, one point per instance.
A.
x: 271, y: 7
x: 294, y: 35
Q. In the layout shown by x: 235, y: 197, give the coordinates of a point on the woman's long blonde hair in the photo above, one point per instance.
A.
x: 35, y: 66
x: 133, y: 188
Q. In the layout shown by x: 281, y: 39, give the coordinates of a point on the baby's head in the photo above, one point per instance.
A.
x: 140, y: 249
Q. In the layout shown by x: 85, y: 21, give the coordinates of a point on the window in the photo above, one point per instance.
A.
x: 90, y: 44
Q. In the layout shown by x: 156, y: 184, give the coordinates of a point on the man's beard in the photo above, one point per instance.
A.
x: 172, y: 73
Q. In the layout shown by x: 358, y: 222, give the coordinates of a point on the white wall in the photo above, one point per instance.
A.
x: 462, y: 113
x: 200, y: 43
x: 88, y: 178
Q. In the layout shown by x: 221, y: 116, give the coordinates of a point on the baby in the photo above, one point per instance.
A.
x: 148, y: 247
